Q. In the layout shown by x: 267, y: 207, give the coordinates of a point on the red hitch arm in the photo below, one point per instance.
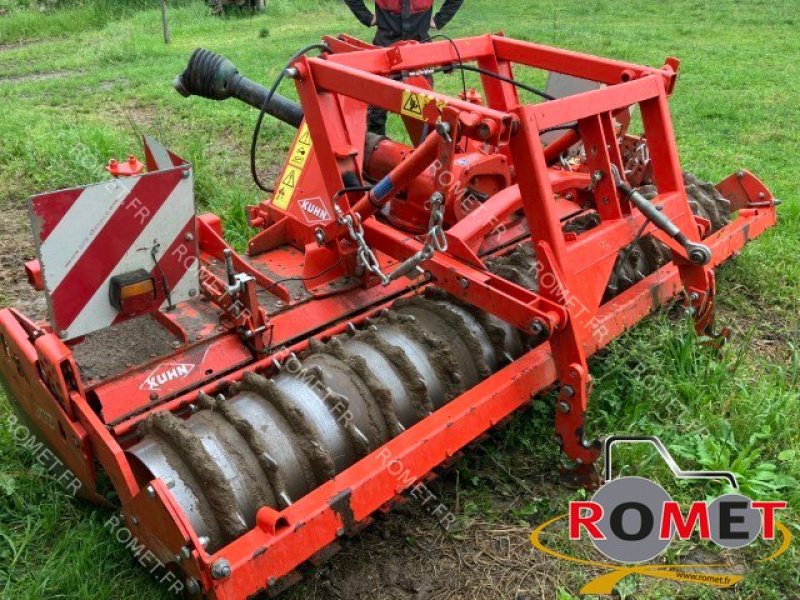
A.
x: 400, y: 177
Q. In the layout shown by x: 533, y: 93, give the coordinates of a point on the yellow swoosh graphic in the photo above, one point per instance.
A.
x: 604, y: 584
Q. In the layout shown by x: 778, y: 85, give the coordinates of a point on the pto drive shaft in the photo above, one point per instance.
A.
x: 213, y: 76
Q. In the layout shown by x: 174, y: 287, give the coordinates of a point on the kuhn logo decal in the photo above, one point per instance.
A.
x: 314, y: 210
x: 164, y: 373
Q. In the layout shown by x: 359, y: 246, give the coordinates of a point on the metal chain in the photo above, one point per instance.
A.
x: 436, y: 237
x: 640, y: 158
x: 435, y: 241
x: 365, y: 257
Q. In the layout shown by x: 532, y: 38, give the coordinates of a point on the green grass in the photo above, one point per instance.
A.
x: 79, y: 82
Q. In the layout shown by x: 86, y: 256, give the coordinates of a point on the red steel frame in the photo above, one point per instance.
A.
x: 577, y: 270
x: 573, y: 273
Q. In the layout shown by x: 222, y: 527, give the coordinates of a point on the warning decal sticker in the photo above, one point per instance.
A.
x: 414, y: 105
x: 290, y: 177
x: 294, y: 169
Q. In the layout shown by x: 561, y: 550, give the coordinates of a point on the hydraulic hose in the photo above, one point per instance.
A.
x: 265, y: 108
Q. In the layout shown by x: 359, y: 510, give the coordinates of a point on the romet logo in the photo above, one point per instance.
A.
x: 632, y: 520
x: 164, y: 373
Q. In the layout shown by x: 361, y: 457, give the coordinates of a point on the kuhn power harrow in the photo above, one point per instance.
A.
x: 398, y: 301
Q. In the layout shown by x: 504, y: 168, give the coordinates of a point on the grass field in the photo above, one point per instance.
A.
x: 80, y: 81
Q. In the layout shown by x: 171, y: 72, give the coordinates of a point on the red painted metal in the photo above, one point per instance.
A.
x: 33, y: 271
x: 304, y: 280
x: 129, y: 168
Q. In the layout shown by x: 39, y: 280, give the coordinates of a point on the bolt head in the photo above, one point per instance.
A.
x: 537, y: 327
x: 564, y: 407
x: 192, y: 587
x: 189, y: 237
x: 151, y: 491
x: 221, y: 569
x: 568, y: 391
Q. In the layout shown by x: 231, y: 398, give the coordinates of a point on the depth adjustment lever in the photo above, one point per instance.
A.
x: 699, y: 254
x: 236, y: 281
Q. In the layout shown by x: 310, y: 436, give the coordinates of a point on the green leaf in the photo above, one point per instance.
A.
x: 8, y: 485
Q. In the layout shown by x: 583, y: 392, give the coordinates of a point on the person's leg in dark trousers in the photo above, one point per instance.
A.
x: 377, y: 118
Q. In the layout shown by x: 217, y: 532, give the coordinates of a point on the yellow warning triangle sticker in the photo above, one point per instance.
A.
x: 413, y: 105
x: 305, y: 139
x: 291, y: 179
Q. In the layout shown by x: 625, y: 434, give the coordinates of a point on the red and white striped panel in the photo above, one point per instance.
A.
x: 86, y: 236
x: 159, y: 158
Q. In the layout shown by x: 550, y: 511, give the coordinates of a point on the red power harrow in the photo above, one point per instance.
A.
x: 398, y: 301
